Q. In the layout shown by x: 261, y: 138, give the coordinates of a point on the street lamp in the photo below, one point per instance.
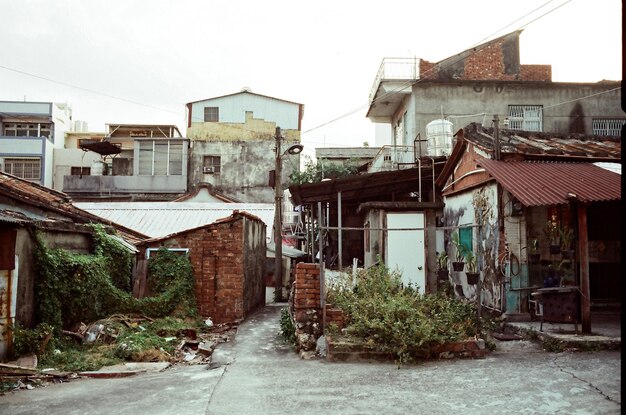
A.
x: 278, y: 204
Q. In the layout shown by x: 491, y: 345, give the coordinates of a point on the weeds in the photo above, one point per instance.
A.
x: 287, y: 329
x: 394, y: 318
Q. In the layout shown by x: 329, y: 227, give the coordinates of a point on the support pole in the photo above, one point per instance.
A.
x: 340, y: 236
x: 583, y: 253
x: 278, y: 235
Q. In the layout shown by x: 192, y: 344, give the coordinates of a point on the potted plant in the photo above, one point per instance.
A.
x: 442, y: 263
x: 472, y: 274
x: 534, y: 256
x: 567, y: 237
x: 552, y: 232
x: 459, y: 263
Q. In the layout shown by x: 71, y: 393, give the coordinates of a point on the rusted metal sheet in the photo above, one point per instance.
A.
x: 7, y: 253
x: 552, y: 183
x: 8, y: 288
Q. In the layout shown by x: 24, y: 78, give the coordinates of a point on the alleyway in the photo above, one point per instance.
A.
x: 257, y: 374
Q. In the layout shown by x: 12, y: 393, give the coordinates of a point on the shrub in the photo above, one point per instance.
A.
x: 394, y: 318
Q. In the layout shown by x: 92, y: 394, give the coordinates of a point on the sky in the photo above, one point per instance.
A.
x: 141, y: 61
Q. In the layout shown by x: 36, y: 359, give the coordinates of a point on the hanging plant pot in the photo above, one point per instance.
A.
x: 555, y: 249
x: 472, y: 277
x: 442, y: 274
x: 458, y: 265
x: 567, y: 254
x: 534, y: 258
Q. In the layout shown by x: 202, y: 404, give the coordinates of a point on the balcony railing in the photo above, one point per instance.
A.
x: 393, y: 158
x: 395, y: 69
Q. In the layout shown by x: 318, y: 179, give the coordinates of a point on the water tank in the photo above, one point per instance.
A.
x: 439, y: 136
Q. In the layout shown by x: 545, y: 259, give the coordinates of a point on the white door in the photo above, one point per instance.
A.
x: 405, y: 248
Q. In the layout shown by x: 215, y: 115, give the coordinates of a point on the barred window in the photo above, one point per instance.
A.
x: 26, y: 168
x: 211, y: 114
x: 607, y: 127
x: 211, y: 165
x: 526, y: 117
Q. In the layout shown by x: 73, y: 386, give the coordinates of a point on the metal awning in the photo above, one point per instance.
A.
x: 550, y: 183
x: 104, y: 148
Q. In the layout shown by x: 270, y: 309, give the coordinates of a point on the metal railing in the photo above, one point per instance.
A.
x: 395, y: 69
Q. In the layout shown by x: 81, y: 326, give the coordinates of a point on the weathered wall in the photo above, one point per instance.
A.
x: 245, y: 167
x: 227, y: 266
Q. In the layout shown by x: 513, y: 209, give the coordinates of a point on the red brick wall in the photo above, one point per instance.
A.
x: 227, y: 285
x: 306, y: 306
x: 542, y: 73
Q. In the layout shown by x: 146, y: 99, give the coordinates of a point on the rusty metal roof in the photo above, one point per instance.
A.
x: 536, y: 183
x: 542, y: 146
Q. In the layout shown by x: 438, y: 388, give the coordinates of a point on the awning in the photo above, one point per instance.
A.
x: 288, y: 251
x: 551, y: 183
x: 104, y: 148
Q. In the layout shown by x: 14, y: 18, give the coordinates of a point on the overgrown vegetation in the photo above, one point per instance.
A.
x: 77, y: 288
x: 314, y: 172
x: 394, y: 318
x: 287, y: 329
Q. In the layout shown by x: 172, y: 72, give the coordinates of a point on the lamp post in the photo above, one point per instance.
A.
x: 278, y: 204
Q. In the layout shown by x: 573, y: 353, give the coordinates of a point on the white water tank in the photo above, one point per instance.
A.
x: 98, y: 168
x: 439, y: 136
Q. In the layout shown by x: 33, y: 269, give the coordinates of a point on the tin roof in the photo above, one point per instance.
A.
x: 536, y: 183
x: 158, y: 219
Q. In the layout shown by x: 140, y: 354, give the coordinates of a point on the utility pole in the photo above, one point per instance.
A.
x: 496, y: 137
x: 278, y: 235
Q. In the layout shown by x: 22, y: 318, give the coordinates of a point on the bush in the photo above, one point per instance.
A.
x: 287, y: 329
x: 394, y: 318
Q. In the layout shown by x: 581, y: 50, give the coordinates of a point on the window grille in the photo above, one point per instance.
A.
x: 29, y: 169
x: 211, y: 114
x: 211, y: 164
x: 526, y: 117
x: 607, y: 127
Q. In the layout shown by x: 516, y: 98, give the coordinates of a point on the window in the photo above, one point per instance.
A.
x: 27, y: 130
x: 80, y: 171
x: 160, y: 158
x: 607, y: 127
x: 211, y: 165
x: 211, y: 114
x: 526, y: 117
x: 29, y: 169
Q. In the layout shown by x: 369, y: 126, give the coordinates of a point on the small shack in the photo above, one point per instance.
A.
x: 228, y: 261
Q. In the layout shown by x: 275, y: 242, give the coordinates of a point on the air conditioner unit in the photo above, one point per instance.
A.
x: 208, y: 170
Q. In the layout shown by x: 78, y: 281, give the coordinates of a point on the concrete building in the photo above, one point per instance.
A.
x: 233, y: 143
x: 71, y: 159
x: 29, y: 133
x: 137, y: 162
x: 477, y: 84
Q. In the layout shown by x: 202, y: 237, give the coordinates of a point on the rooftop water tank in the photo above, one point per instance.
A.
x: 439, y: 136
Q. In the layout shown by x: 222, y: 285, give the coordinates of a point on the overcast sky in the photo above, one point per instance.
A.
x: 157, y: 55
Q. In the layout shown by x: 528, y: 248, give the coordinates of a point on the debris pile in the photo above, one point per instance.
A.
x: 128, y: 338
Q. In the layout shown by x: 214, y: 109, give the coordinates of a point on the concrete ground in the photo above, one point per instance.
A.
x: 259, y: 374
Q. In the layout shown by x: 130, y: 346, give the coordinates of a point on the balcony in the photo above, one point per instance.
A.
x: 101, y: 186
x: 393, y: 158
x: 393, y: 82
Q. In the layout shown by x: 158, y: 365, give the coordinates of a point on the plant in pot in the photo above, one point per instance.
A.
x: 472, y: 274
x: 567, y: 237
x: 534, y: 256
x: 459, y: 263
x: 553, y: 234
x: 442, y: 263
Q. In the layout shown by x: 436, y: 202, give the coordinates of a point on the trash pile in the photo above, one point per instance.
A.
x: 129, y: 338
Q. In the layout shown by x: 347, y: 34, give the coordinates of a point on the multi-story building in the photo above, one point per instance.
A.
x: 29, y: 133
x: 426, y: 102
x: 137, y: 162
x: 233, y: 143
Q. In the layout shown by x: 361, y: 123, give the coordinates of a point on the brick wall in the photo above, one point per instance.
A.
x: 487, y: 64
x: 228, y: 271
x: 305, y: 307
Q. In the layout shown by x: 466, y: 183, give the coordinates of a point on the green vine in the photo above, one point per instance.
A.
x: 75, y: 287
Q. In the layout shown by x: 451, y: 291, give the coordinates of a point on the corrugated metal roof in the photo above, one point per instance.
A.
x: 552, y: 183
x: 157, y: 219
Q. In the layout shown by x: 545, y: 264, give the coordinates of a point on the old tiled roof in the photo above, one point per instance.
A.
x: 33, y: 194
x: 536, y: 183
x: 545, y: 146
